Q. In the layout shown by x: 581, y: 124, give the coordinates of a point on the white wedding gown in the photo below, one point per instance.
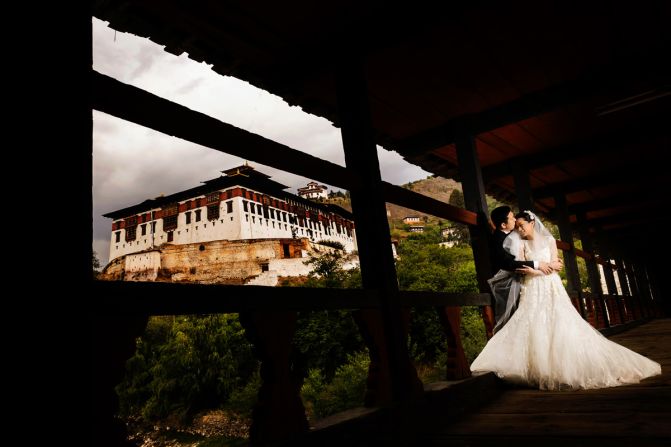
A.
x: 547, y: 344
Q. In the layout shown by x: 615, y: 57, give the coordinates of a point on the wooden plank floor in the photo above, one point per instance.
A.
x: 632, y: 415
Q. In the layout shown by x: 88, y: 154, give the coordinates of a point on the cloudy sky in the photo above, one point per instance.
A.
x: 132, y: 163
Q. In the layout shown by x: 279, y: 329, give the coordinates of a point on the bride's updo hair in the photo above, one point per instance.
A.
x: 524, y: 215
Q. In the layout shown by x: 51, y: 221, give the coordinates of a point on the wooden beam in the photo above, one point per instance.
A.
x: 475, y: 201
x: 615, y: 79
x: 437, y: 299
x: 418, y: 202
x: 163, y: 298
x: 593, y: 275
x: 583, y: 254
x: 146, y: 109
x: 378, y: 271
x: 525, y: 200
x: 633, y: 173
x: 566, y: 234
x: 611, y: 144
x: 627, y: 218
x: 638, y: 194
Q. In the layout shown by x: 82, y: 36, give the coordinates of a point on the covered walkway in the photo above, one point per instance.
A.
x: 548, y: 106
x: 633, y: 415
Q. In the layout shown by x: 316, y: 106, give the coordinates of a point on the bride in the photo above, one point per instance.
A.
x: 545, y: 343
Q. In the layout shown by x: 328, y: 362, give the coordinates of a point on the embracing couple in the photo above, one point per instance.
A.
x: 508, y: 263
x: 540, y: 339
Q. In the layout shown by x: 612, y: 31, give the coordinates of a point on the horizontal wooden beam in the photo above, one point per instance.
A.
x: 563, y: 245
x: 161, y: 298
x: 610, y: 144
x: 146, y: 109
x: 630, y: 174
x: 628, y: 218
x: 418, y: 202
x: 615, y: 79
x: 583, y: 254
x: 638, y: 194
x: 427, y: 299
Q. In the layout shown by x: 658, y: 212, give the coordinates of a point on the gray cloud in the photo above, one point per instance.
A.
x: 132, y: 163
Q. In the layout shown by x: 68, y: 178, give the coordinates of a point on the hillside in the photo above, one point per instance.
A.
x: 437, y: 187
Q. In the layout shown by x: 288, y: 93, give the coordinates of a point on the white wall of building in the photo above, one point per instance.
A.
x: 236, y: 225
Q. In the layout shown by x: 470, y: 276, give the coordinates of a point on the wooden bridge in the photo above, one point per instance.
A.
x: 483, y: 411
x: 541, y: 104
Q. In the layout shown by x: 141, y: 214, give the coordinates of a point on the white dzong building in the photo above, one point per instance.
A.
x: 242, y: 204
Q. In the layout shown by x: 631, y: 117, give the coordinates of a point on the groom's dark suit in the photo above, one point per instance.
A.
x: 501, y: 259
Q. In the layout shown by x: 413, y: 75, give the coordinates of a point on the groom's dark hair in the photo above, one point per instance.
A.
x: 499, y: 215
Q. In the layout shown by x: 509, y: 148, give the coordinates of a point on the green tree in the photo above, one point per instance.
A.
x: 95, y: 263
x: 184, y: 364
x: 430, y: 267
x: 459, y: 233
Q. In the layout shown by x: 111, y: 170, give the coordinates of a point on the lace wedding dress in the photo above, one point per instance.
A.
x: 547, y: 344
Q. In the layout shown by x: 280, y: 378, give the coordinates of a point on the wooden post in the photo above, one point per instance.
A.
x: 622, y: 277
x: 278, y: 414
x: 593, y: 275
x: 373, y: 238
x: 626, y: 292
x: 474, y: 200
x: 643, y: 288
x: 523, y: 191
x: 570, y: 261
x: 113, y: 341
x: 605, y: 251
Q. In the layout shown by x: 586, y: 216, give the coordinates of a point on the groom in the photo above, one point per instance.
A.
x: 504, y: 222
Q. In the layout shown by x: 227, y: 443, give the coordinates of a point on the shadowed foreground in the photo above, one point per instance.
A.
x: 632, y: 415
x: 483, y: 411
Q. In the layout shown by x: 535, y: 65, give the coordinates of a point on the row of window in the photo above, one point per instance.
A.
x: 170, y: 221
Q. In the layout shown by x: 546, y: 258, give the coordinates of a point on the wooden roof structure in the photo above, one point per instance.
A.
x: 560, y: 106
x: 578, y: 96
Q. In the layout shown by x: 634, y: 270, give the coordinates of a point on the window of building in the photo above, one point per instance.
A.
x: 213, y: 197
x: 244, y: 206
x: 170, y: 222
x: 246, y: 217
x: 272, y: 214
x: 188, y: 217
x: 143, y: 228
x: 229, y: 206
x: 213, y: 212
x: 284, y: 216
x: 153, y: 227
x: 118, y: 236
x: 131, y: 233
x: 253, y: 219
x: 197, y: 215
x: 170, y: 236
x: 264, y: 266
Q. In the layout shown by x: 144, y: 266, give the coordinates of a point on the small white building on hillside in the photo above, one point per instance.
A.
x: 313, y: 191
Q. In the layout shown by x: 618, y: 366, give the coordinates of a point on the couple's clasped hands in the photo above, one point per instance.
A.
x: 544, y: 268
